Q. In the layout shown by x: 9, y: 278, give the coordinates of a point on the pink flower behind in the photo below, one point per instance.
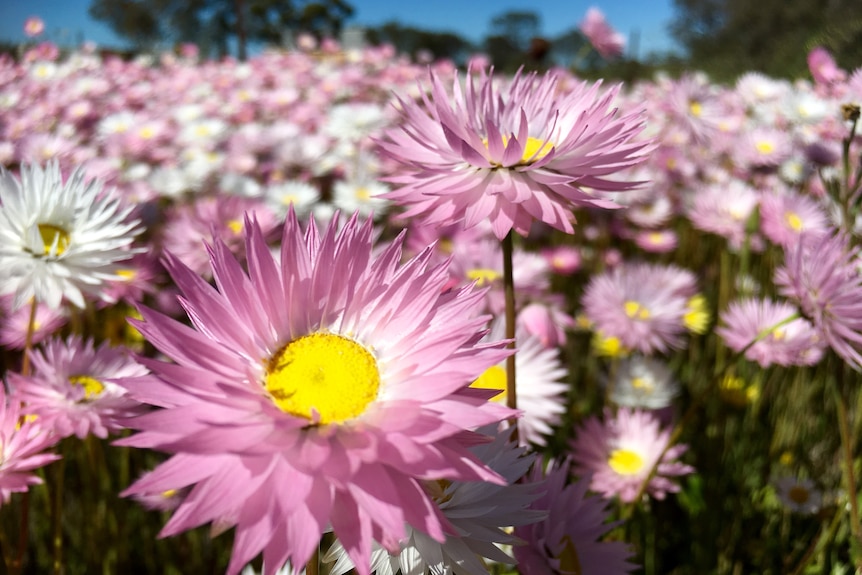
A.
x: 608, y: 42
x: 568, y: 540
x: 620, y: 452
x: 341, y: 375
x: 21, y: 444
x: 513, y: 155
x: 33, y: 26
x: 71, y: 388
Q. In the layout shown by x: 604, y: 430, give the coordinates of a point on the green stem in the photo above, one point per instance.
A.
x: 509, y: 290
x: 57, y: 515
x: 847, y: 452
x: 312, y: 567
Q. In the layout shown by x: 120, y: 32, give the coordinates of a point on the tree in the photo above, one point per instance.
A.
x: 728, y: 37
x: 508, y: 44
x: 218, y: 22
x: 413, y: 41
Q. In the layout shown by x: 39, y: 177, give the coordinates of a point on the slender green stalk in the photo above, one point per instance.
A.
x: 509, y: 288
x: 57, y: 515
x: 847, y: 452
x: 313, y: 565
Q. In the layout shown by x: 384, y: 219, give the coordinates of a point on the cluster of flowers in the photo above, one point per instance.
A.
x: 310, y: 373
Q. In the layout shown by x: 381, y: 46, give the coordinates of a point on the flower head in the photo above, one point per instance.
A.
x: 22, y: 441
x: 821, y: 275
x: 71, y: 387
x: 512, y: 155
x: 567, y: 541
x: 59, y: 239
x: 342, y: 375
x: 608, y: 42
x: 621, y: 451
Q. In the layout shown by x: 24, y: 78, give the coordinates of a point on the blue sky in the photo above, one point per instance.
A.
x: 67, y: 20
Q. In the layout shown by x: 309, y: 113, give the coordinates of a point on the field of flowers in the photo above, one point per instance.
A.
x: 331, y: 309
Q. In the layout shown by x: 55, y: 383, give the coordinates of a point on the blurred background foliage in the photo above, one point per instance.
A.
x: 723, y: 38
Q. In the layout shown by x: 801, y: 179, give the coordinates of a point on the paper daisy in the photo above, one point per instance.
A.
x: 821, y: 275
x: 541, y: 392
x: 22, y: 443
x: 645, y: 382
x: 799, y: 495
x: 640, y: 306
x: 339, y: 374
x: 793, y: 343
x: 59, y: 239
x: 567, y: 541
x: 480, y: 514
x: 71, y: 390
x: 621, y: 451
x: 511, y: 155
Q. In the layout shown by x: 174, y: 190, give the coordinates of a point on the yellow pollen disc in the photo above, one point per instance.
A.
x: 289, y: 199
x: 786, y: 458
x: 493, y: 378
x: 146, y: 133
x: 323, y: 373
x: 695, y: 108
x: 482, y: 276
x: 202, y: 131
x: 570, y: 563
x: 169, y: 493
x: 92, y: 386
x: 798, y: 494
x: 608, y: 346
x: 625, y: 462
x: 655, y: 237
x: 765, y: 147
x: 363, y: 194
x: 635, y: 310
x: 696, y: 318
x: 778, y: 334
x: 794, y: 221
x: 127, y: 274
x: 235, y: 226
x: 50, y: 234
x: 642, y: 383
x: 535, y: 149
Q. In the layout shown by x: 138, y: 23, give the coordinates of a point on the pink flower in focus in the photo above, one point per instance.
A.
x: 511, y: 155
x: 21, y: 442
x: 33, y: 26
x: 608, y: 42
x: 341, y: 375
x: 621, y: 451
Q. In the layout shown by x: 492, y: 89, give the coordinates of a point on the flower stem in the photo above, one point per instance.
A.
x: 509, y: 291
x: 28, y: 339
x: 312, y: 567
x: 847, y: 452
x: 57, y: 515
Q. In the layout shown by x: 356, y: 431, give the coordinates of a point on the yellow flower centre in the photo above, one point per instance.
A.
x: 54, y: 236
x: 235, y: 226
x: 493, y: 378
x: 655, y: 238
x: 643, y: 384
x: 92, y: 386
x: 147, y: 133
x: 482, y: 276
x: 363, y: 194
x: 794, y: 221
x: 778, y: 334
x: 626, y: 462
x: 786, y: 458
x: 765, y: 147
x: 696, y: 108
x: 534, y: 149
x: 798, y: 494
x: 608, y: 346
x: 127, y: 274
x: 696, y: 318
x: 635, y: 310
x: 570, y: 564
x: 323, y: 377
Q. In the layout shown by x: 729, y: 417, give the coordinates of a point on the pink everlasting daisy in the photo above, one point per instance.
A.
x: 794, y: 343
x: 821, y: 275
x: 567, y: 541
x: 71, y: 388
x: 340, y: 375
x: 513, y: 155
x: 643, y: 306
x: 621, y: 451
x: 22, y: 442
x: 608, y: 42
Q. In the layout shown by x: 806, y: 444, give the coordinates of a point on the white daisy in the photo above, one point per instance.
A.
x: 799, y: 495
x: 301, y: 195
x: 540, y: 393
x: 360, y: 196
x: 643, y: 382
x: 59, y: 240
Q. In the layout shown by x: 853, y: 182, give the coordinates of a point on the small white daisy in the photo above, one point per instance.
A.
x: 301, y: 195
x: 799, y: 495
x: 360, y: 196
x: 643, y: 382
x: 59, y: 240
